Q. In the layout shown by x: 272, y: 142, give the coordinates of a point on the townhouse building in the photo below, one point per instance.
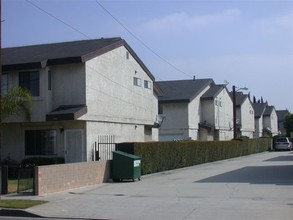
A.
x: 81, y: 90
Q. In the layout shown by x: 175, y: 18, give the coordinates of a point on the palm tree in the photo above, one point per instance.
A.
x: 18, y: 100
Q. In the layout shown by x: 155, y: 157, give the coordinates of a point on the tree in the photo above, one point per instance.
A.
x: 288, y: 124
x: 17, y: 101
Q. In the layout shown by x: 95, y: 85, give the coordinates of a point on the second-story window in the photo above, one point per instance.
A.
x: 4, y: 84
x: 136, y: 81
x: 31, y: 81
x: 147, y: 84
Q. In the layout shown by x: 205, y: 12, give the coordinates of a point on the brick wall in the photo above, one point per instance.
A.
x: 56, y: 178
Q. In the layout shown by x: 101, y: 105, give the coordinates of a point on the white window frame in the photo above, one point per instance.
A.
x: 137, y: 81
x: 147, y: 84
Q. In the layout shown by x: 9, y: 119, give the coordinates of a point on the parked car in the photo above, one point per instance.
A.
x: 283, y: 143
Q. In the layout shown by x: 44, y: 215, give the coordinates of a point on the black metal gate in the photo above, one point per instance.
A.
x: 26, y: 180
x: 104, y: 147
x: 16, y: 179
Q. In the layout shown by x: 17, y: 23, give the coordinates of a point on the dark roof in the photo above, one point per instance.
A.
x: 212, y: 92
x: 268, y: 111
x: 259, y: 109
x: 182, y: 90
x: 66, y: 112
x: 282, y: 114
x: 39, y: 56
x: 240, y: 97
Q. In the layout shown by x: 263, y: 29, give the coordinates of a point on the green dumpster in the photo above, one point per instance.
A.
x: 125, y: 166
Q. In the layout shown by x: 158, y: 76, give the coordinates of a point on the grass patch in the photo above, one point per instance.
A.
x: 25, y: 184
x: 19, y: 203
x: 12, y: 185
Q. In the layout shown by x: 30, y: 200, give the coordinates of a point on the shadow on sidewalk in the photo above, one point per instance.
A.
x: 24, y: 214
x: 17, y: 213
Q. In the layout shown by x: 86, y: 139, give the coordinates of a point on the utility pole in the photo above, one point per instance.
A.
x: 0, y: 72
x: 234, y: 114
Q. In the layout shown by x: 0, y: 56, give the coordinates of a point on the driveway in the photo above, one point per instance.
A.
x: 258, y: 186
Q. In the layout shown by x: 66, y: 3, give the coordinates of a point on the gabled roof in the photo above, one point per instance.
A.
x: 268, y: 111
x: 240, y: 97
x: 282, y: 114
x: 40, y: 56
x: 259, y: 109
x: 182, y: 90
x: 212, y: 92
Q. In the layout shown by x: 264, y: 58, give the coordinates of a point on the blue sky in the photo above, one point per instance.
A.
x: 246, y: 42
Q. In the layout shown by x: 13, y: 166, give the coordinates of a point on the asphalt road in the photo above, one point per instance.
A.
x: 258, y: 186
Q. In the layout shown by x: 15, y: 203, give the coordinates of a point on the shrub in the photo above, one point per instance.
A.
x: 40, y: 161
x: 161, y: 156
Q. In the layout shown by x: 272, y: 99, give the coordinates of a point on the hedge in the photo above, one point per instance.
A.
x: 40, y: 161
x: 161, y: 156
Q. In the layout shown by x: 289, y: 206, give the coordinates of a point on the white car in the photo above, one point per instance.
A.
x: 283, y: 143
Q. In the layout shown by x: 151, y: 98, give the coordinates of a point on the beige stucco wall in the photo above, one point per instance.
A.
x: 219, y: 113
x: 68, y: 85
x: 175, y: 125
x: 194, y: 115
x: 258, y: 127
x: 182, y: 119
x: 247, y: 119
x: 111, y: 95
x: 12, y: 141
x: 67, y: 88
x: 271, y: 121
x: 105, y: 85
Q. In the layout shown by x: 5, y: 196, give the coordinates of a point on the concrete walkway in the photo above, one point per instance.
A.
x: 259, y: 186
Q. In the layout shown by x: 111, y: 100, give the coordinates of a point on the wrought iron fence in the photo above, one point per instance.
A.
x: 16, y: 179
x: 104, y: 146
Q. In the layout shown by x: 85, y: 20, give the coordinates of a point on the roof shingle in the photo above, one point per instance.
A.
x: 182, y: 90
x: 212, y: 92
x: 40, y: 56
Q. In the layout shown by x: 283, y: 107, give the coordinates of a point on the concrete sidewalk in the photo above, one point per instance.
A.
x: 258, y: 186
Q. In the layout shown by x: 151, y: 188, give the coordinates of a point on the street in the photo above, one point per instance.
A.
x: 258, y: 186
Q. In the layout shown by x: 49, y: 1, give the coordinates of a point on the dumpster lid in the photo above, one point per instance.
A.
x: 126, y: 154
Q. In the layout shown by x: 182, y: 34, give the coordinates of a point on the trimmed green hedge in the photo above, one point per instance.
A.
x: 41, y: 161
x: 161, y: 156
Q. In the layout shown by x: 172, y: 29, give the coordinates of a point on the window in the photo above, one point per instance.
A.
x: 4, y: 84
x: 40, y: 142
x: 160, y: 110
x: 127, y: 55
x: 30, y: 80
x: 136, y: 81
x: 49, y: 80
x: 147, y: 84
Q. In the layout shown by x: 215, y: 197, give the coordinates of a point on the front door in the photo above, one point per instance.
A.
x: 73, y: 146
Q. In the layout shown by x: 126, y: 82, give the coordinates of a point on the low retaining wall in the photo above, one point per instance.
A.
x: 56, y: 178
